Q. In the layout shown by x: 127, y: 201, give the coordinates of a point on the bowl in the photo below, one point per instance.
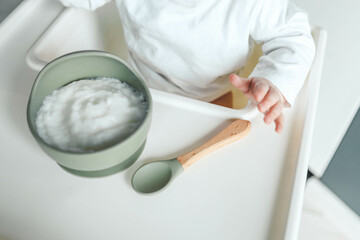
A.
x: 85, y: 65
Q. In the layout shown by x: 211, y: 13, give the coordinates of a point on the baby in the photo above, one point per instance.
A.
x: 195, y: 47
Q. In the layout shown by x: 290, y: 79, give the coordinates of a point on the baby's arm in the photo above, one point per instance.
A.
x: 288, y: 47
x: 288, y: 51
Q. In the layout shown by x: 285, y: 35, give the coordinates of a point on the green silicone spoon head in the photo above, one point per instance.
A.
x: 153, y: 176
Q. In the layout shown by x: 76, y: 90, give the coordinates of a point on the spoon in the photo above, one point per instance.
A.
x: 155, y: 175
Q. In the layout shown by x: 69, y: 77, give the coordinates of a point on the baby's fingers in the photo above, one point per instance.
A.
x: 240, y: 83
x: 274, y: 112
x: 259, y: 90
x: 269, y: 100
x: 279, y: 123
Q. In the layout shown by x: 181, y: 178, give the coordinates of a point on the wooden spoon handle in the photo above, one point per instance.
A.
x: 233, y: 132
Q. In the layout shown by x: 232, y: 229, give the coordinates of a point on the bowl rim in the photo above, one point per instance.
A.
x: 90, y: 53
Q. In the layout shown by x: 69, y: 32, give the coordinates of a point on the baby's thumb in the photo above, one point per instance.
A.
x: 240, y: 83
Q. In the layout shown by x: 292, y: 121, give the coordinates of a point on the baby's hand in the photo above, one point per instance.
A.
x: 269, y: 99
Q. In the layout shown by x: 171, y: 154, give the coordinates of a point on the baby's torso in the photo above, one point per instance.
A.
x: 188, y: 43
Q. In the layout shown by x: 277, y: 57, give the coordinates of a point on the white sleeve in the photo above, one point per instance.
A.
x: 84, y: 4
x: 288, y: 47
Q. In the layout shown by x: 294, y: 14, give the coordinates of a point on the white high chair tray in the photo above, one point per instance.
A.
x: 252, y: 189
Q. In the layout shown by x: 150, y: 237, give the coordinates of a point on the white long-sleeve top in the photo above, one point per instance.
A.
x: 186, y: 46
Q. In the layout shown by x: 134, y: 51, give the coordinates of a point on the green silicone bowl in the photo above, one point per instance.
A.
x: 90, y: 64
